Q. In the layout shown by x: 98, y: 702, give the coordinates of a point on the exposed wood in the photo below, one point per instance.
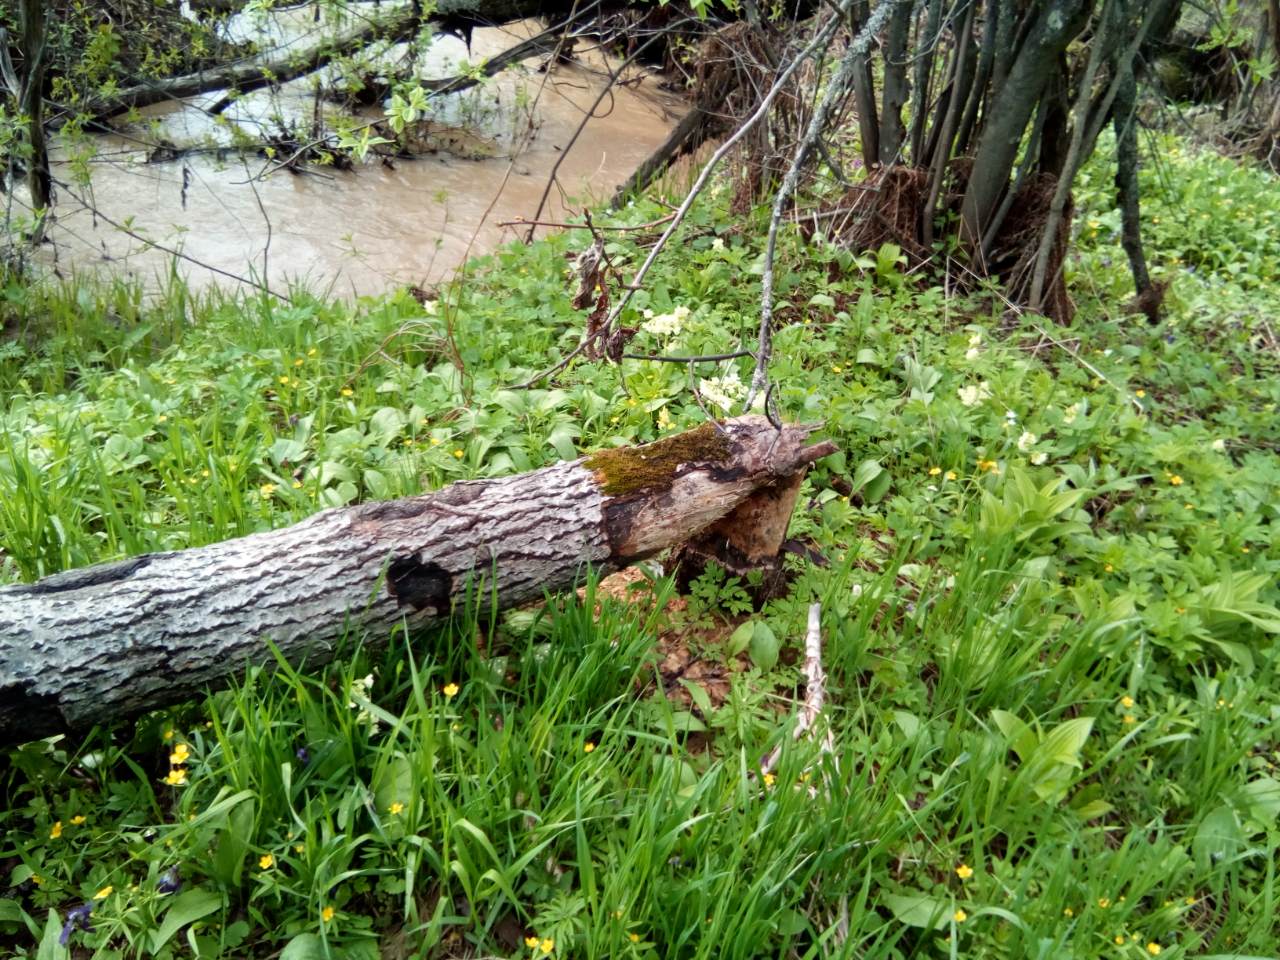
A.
x: 114, y: 640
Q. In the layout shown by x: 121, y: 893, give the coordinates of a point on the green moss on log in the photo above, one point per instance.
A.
x: 627, y: 470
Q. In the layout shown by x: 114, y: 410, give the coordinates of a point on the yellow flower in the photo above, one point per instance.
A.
x: 299, y: 362
x: 1190, y: 901
x: 588, y: 747
x: 396, y: 808
x: 77, y: 820
x: 547, y: 945
x: 1108, y: 568
x: 163, y: 418
x: 1104, y: 902
x: 459, y: 454
x: 934, y: 471
x: 104, y: 892
x: 177, y: 777
x: 326, y: 914
x: 1119, y: 940
x: 1175, y: 480
x: 37, y: 880
x: 964, y: 871
x: 951, y: 474
x: 1154, y: 948
x: 988, y: 465
x: 181, y: 752
x: 56, y: 830
x: 347, y: 392
x: 299, y: 848
x: 450, y: 690
x: 284, y: 381
x: 1129, y: 718
x: 1126, y: 701
x: 633, y: 937
x: 435, y: 441
x: 266, y: 861
x: 959, y: 916
x: 267, y: 489
x: 769, y: 779
x: 297, y: 484
x: 1068, y: 912
x: 531, y: 942
x: 1139, y: 393
x: 835, y: 368
x: 168, y: 734
x: 311, y: 352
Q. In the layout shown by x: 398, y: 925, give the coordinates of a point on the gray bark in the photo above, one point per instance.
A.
x: 1056, y: 26
x: 112, y: 641
x: 31, y: 105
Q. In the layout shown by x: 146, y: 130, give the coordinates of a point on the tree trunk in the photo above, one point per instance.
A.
x: 1057, y: 25
x: 115, y: 640
x: 31, y: 106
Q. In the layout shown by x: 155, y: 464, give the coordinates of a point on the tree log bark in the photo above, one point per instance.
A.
x: 111, y: 641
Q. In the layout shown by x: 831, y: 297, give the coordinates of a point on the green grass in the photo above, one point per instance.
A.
x: 1049, y: 619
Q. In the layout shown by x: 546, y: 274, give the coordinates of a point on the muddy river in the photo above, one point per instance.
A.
x: 361, y: 231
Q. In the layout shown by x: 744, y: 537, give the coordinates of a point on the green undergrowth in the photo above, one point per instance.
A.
x: 1049, y: 616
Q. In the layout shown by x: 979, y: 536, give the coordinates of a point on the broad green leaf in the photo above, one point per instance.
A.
x: 1262, y: 798
x: 1064, y: 742
x: 385, y: 425
x: 234, y: 837
x: 393, y: 783
x: 50, y: 948
x: 304, y: 946
x: 740, y: 639
x: 916, y: 910
x: 764, y: 647
x: 699, y: 696
x: 1218, y: 837
x: 1021, y: 737
x: 867, y: 471
x: 186, y: 908
x: 10, y: 911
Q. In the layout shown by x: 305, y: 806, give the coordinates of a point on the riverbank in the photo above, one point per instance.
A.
x: 1049, y: 615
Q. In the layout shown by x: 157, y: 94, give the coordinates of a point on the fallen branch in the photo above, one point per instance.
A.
x: 111, y: 641
x: 822, y: 38
x: 247, y: 75
x: 815, y: 691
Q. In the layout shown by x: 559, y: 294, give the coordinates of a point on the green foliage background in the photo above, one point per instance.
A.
x: 1050, y: 617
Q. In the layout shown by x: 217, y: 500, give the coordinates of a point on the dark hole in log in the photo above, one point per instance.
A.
x: 419, y: 585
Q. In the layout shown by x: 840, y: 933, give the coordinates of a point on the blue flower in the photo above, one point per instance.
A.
x: 171, y: 882
x: 77, y: 917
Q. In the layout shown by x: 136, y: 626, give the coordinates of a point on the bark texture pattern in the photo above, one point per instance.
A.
x: 115, y: 640
x: 110, y: 641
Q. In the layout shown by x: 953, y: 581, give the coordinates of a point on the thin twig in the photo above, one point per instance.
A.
x: 708, y: 358
x: 172, y: 251
x: 524, y: 222
x: 815, y: 691
x: 820, y: 38
x: 836, y: 91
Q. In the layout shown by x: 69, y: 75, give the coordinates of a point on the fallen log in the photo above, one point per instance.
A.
x: 245, y: 76
x: 111, y: 641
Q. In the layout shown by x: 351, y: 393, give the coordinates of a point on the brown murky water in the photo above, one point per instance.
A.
x: 362, y: 231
